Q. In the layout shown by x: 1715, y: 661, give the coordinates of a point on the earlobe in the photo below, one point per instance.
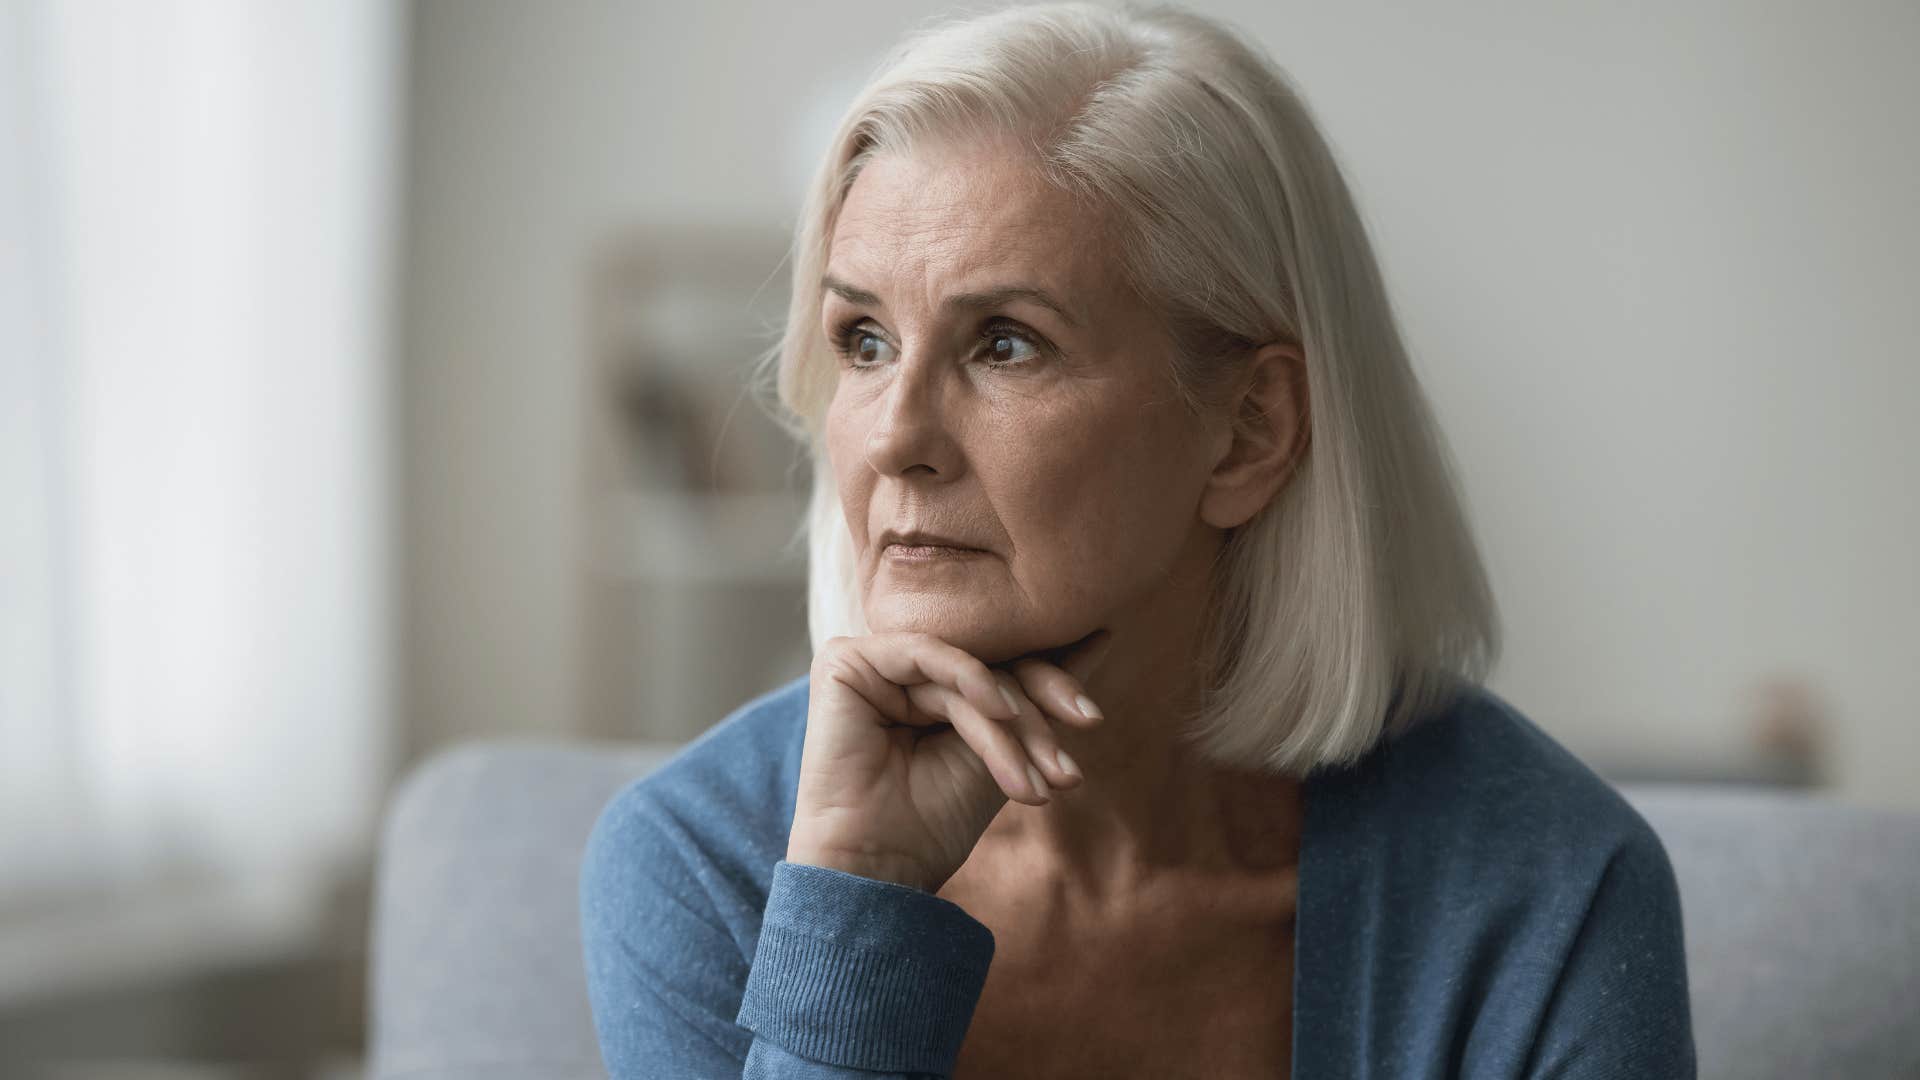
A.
x: 1272, y: 422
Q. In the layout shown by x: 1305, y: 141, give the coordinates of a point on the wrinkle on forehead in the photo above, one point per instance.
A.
x: 962, y: 217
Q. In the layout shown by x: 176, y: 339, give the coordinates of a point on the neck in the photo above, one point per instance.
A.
x: 1150, y: 804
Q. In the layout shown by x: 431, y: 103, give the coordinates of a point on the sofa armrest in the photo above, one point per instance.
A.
x: 476, y: 969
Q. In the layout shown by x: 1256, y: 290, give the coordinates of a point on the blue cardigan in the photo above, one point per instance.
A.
x: 1473, y: 902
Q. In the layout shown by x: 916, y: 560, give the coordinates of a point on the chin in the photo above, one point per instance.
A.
x: 974, y: 627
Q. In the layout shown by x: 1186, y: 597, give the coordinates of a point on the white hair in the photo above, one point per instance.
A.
x: 1356, y: 601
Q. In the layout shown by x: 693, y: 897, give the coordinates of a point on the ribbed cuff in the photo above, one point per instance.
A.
x: 864, y: 974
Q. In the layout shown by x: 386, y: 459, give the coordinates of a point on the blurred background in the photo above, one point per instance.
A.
x: 372, y: 379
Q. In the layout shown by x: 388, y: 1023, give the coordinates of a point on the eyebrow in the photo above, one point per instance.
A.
x: 986, y: 298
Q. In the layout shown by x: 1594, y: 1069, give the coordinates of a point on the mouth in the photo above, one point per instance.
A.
x: 924, y: 547
x: 922, y: 552
x: 927, y: 552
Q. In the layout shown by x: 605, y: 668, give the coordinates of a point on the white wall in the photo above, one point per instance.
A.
x: 196, y: 500
x: 1655, y: 264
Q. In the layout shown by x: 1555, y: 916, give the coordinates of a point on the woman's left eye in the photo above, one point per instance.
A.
x: 1006, y: 346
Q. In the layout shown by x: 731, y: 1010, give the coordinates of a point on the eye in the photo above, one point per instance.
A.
x: 1007, y: 345
x: 861, y: 347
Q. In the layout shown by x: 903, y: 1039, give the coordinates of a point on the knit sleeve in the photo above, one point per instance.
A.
x: 848, y: 979
x: 1620, y: 1007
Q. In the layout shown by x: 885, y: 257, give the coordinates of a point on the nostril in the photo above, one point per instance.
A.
x: 915, y: 443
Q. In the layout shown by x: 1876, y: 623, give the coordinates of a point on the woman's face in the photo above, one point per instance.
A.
x: 1002, y: 391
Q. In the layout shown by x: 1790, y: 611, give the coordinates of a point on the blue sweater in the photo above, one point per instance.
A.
x: 1473, y: 902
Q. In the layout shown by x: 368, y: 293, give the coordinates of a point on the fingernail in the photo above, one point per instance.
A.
x: 1087, y: 708
x: 1039, y: 785
x: 1013, y: 704
x: 1066, y: 764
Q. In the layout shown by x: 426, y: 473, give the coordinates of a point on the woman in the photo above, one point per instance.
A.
x: 1143, y: 736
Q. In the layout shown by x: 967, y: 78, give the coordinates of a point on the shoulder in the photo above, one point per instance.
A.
x: 1481, y: 885
x: 1474, y: 836
x: 704, y: 829
x: 731, y: 788
x: 738, y: 765
x: 1484, y: 781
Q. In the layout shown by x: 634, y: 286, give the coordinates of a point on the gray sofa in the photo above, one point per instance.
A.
x: 1802, y: 921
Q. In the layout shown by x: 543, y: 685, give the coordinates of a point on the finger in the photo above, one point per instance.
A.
x: 842, y: 662
x: 1036, y: 736
x: 996, y: 747
x: 907, y: 659
x: 1063, y: 697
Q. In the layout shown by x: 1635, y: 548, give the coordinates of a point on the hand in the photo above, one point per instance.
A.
x: 913, y: 746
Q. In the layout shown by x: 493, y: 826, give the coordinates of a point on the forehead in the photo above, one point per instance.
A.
x: 957, y: 216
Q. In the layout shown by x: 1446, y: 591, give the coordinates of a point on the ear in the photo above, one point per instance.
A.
x: 1268, y: 435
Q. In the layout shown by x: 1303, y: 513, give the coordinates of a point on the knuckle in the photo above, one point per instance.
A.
x: 836, y: 662
x: 1029, y: 711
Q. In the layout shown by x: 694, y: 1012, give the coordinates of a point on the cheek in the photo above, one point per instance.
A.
x: 1098, y: 503
x: 843, y: 441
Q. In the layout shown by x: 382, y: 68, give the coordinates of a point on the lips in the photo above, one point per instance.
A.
x: 916, y: 538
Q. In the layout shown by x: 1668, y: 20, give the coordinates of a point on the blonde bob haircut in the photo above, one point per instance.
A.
x: 1356, y: 601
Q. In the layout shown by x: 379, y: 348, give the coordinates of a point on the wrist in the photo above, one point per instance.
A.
x: 894, y: 869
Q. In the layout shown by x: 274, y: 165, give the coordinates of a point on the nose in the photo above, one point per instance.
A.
x: 912, y: 432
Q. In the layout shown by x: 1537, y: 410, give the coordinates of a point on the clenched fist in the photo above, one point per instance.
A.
x: 913, y: 746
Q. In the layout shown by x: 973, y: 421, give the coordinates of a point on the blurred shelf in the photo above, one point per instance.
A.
x: 167, y: 930
x: 1696, y: 753
x: 686, y: 539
